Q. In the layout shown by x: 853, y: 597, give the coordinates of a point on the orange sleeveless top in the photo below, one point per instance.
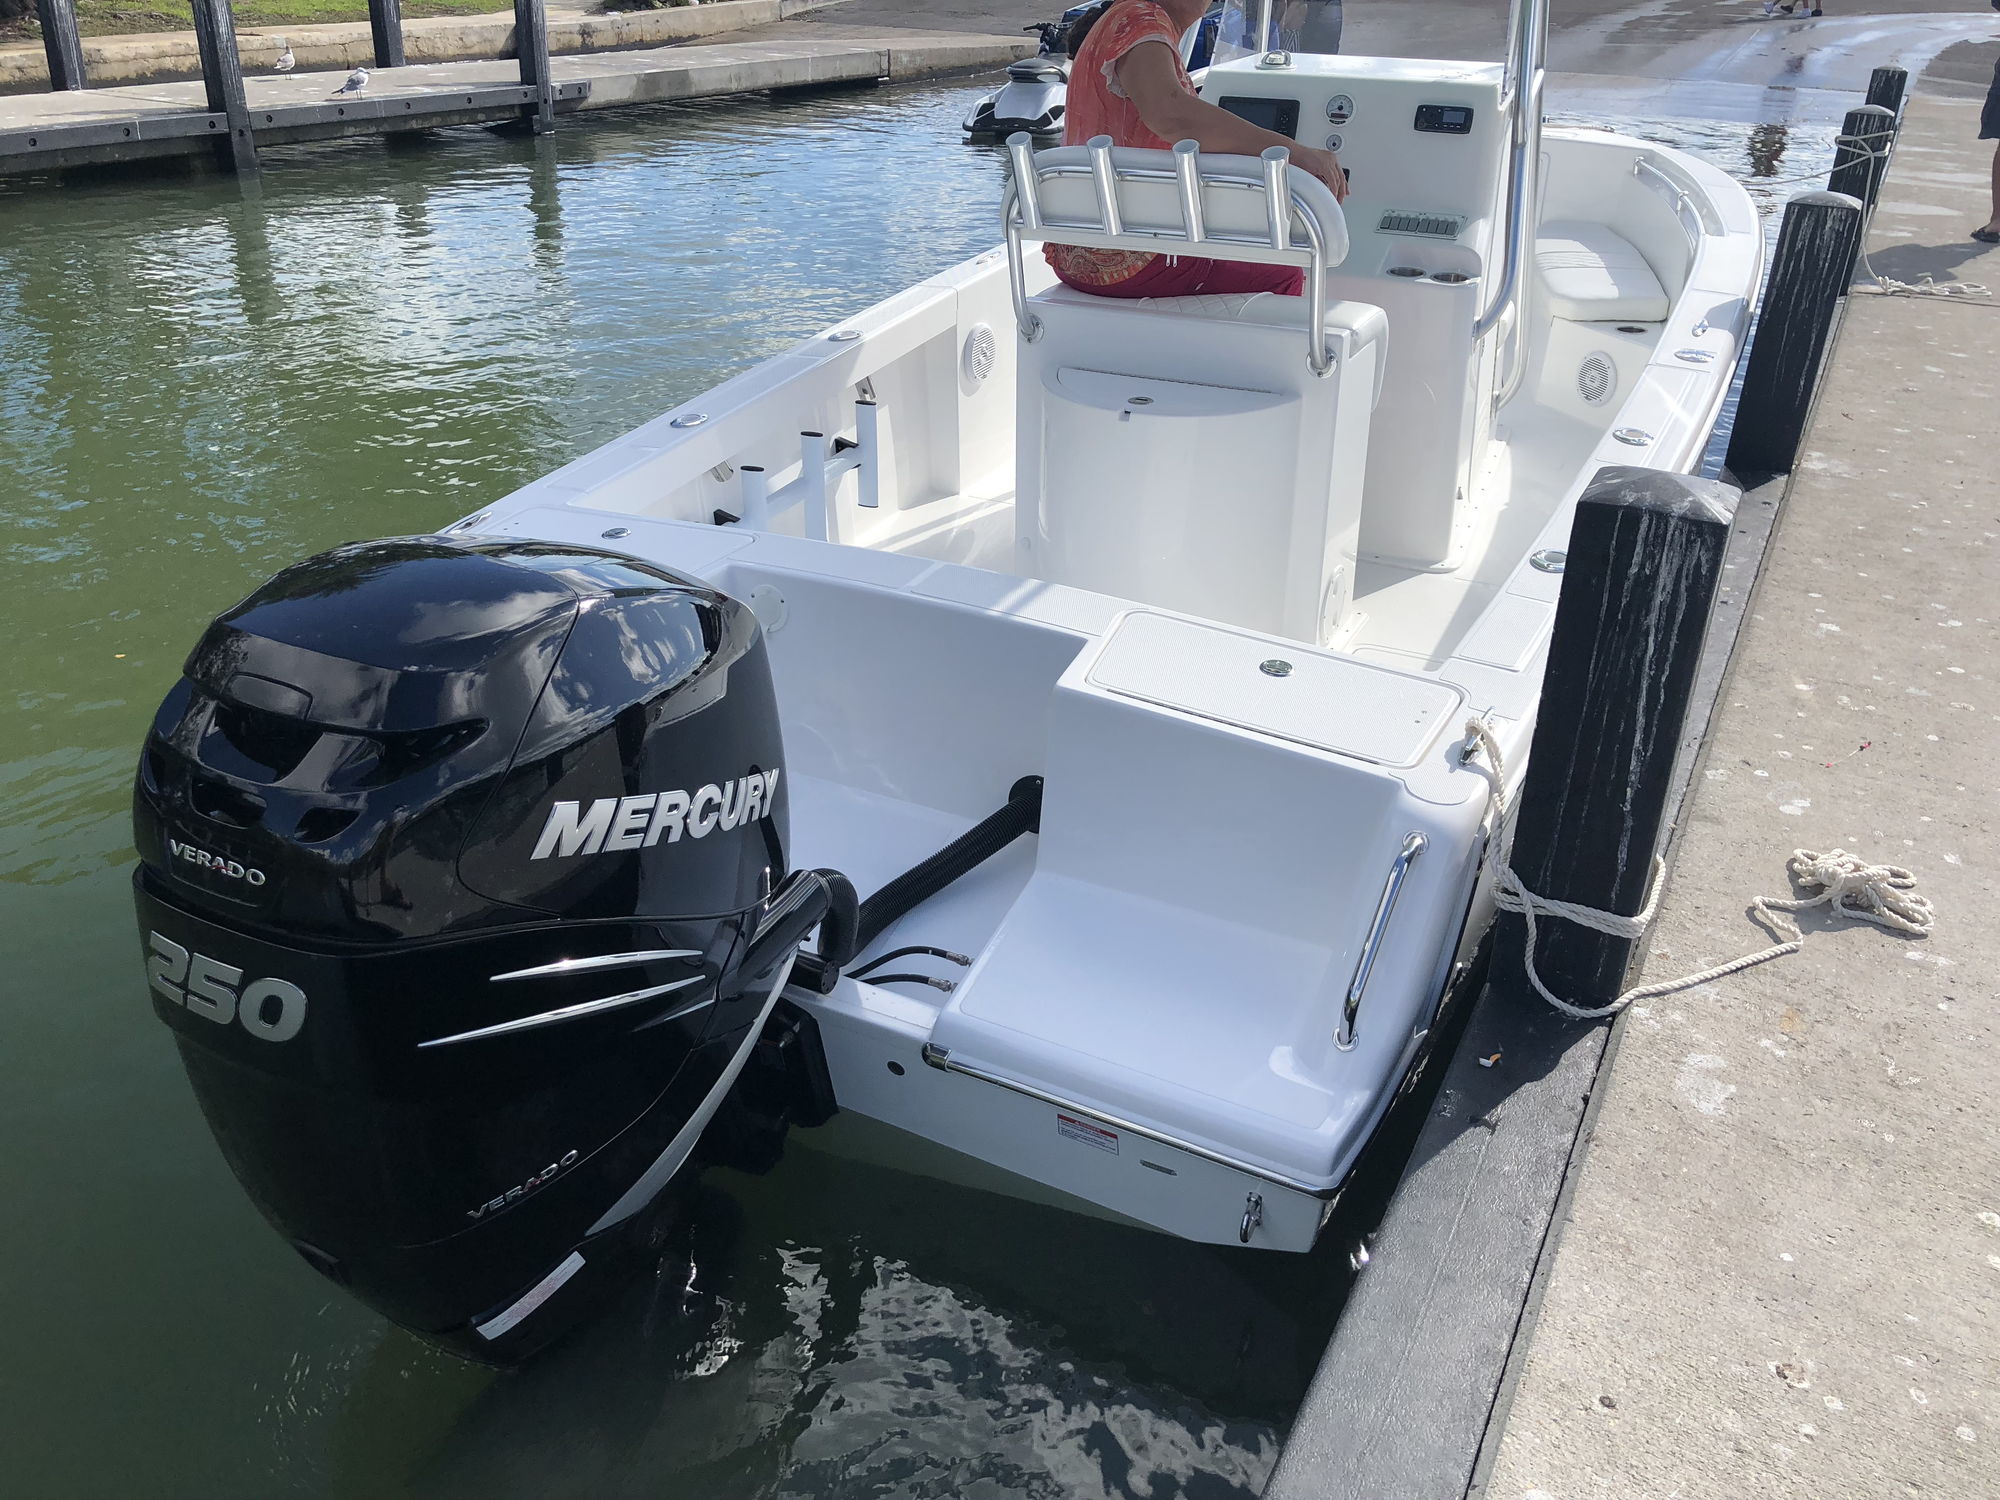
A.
x: 1097, y: 106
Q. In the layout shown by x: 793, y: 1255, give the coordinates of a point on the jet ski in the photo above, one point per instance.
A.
x: 1037, y: 88
x: 1033, y: 97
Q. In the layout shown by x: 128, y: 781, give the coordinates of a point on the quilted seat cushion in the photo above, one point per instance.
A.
x: 1591, y: 274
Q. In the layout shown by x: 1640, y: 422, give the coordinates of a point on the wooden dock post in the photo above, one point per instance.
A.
x: 222, y: 76
x: 385, y: 26
x: 1817, y: 246
x: 1645, y: 557
x: 531, y: 40
x: 62, y: 42
x: 1886, y: 86
x: 1861, y: 160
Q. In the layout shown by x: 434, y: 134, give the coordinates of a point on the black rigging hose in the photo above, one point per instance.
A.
x: 842, y: 935
x: 964, y: 854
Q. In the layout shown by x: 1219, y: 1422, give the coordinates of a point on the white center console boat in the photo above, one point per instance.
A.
x: 1227, y: 574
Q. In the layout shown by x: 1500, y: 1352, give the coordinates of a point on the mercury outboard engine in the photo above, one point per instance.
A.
x: 463, y: 887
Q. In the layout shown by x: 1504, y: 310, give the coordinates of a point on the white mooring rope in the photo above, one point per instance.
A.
x: 1883, y: 894
x: 1876, y: 146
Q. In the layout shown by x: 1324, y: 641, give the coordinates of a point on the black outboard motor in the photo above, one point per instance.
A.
x: 463, y: 887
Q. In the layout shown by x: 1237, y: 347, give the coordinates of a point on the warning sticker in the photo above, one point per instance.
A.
x: 1088, y: 1132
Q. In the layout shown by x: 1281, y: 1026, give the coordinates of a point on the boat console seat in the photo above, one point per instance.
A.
x: 1204, y: 454
x: 1592, y: 274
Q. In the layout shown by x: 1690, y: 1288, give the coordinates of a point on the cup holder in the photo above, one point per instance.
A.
x: 1450, y: 278
x: 1407, y: 271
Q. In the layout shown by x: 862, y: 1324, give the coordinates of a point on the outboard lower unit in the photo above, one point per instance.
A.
x: 463, y: 887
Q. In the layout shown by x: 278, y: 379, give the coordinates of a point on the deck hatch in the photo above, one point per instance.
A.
x: 1327, y: 701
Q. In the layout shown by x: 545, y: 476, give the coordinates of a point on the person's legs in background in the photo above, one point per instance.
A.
x: 1989, y: 130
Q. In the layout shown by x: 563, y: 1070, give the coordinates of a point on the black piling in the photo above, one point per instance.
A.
x: 1886, y: 87
x: 222, y: 76
x: 531, y: 40
x: 1861, y: 159
x: 62, y: 42
x: 385, y: 26
x: 1817, y: 246
x: 1645, y: 557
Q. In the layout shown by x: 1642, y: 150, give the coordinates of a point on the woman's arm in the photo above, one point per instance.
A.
x: 1151, y: 81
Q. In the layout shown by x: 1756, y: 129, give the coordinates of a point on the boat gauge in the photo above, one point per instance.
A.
x: 1339, y: 109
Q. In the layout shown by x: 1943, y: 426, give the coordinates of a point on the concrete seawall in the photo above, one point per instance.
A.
x: 157, y: 57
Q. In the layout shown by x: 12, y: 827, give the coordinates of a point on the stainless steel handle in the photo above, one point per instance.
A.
x: 1414, y: 844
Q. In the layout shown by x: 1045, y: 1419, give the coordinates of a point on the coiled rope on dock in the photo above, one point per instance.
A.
x: 1885, y: 895
x: 1876, y: 146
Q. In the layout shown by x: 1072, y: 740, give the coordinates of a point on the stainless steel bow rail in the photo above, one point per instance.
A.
x: 1288, y: 218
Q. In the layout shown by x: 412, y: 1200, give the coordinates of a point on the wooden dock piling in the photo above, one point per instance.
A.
x: 531, y: 41
x: 63, y: 43
x: 222, y: 76
x: 1620, y: 677
x: 1817, y: 246
x: 385, y: 26
x: 1861, y: 159
x: 1886, y: 87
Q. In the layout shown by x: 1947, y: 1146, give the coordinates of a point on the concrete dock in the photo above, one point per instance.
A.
x: 1779, y: 1273
x: 43, y: 131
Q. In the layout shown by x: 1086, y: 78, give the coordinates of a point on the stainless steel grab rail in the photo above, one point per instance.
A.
x: 941, y: 1059
x: 1022, y: 216
x: 1414, y: 844
x: 1529, y: 40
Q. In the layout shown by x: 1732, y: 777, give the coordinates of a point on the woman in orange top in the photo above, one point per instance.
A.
x: 1127, y: 82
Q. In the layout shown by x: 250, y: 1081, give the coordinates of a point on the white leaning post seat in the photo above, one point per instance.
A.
x: 1203, y: 454
x: 1591, y: 274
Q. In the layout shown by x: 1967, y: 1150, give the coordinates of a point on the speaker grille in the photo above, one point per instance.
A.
x: 1596, y: 379
x: 981, y: 349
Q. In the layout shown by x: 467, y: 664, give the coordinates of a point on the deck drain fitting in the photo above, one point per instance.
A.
x: 1275, y: 667
x: 1548, y: 560
x: 1633, y: 437
x: 615, y: 532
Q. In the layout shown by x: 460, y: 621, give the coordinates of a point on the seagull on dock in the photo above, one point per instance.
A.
x: 286, y: 60
x: 356, y: 82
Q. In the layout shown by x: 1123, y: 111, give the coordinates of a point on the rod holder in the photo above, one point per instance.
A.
x: 814, y: 450
x: 753, y: 487
x: 1187, y: 171
x: 1278, y: 195
x: 1104, y: 177
x: 867, y: 427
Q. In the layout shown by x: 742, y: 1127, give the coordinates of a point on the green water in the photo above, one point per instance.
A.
x: 197, y: 388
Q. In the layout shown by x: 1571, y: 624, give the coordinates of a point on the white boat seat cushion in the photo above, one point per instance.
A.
x: 1592, y: 274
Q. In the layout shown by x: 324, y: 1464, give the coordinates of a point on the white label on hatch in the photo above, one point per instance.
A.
x: 1088, y: 1132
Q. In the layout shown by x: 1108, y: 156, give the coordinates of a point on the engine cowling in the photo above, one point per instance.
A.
x: 463, y: 887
